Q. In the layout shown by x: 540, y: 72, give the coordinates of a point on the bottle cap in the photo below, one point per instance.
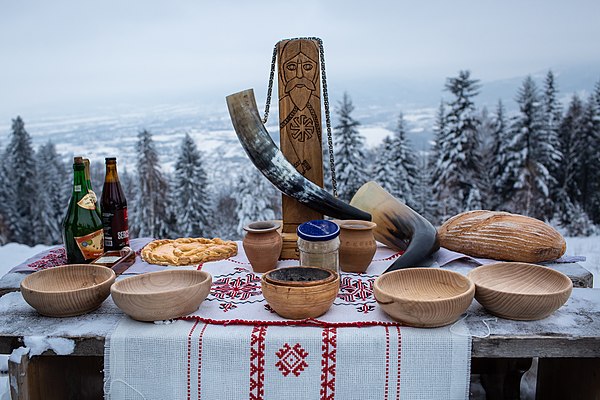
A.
x: 77, y: 160
x: 110, y: 159
x: 318, y: 230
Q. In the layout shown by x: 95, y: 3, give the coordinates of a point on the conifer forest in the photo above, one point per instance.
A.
x: 541, y: 159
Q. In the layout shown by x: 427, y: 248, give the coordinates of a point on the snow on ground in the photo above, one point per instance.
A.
x: 12, y: 254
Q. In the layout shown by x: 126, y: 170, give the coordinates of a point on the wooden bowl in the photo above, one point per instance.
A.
x: 300, y: 302
x: 520, y: 291
x: 300, y: 276
x: 68, y: 290
x: 157, y: 296
x: 424, y: 297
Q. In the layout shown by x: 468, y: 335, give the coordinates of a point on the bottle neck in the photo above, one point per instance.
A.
x: 111, y: 173
x: 80, y: 186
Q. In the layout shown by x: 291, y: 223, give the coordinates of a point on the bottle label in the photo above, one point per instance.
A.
x: 116, y: 229
x: 93, y: 194
x: 88, y: 202
x: 91, y: 245
x: 77, y: 188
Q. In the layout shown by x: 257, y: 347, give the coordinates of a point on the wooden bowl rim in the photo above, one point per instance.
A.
x: 115, y: 287
x: 366, y: 225
x: 395, y: 297
x: 49, y: 271
x: 330, y: 278
x: 568, y: 283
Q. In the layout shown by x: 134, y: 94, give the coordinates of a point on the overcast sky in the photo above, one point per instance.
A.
x: 64, y: 53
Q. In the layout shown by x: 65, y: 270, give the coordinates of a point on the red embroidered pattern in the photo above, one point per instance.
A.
x: 328, y: 358
x: 237, y: 288
x: 54, y: 258
x: 365, y: 308
x: 257, y: 363
x: 399, y: 358
x: 227, y: 306
x: 200, y: 339
x: 352, y: 290
x: 387, y: 362
x: 291, y: 359
x: 189, y: 361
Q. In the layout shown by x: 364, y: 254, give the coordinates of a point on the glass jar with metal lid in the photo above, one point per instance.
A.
x: 318, y: 242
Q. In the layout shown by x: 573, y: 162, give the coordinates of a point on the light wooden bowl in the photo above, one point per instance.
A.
x: 158, y: 296
x: 68, y: 290
x: 300, y: 276
x: 520, y: 291
x: 300, y: 302
x: 424, y: 297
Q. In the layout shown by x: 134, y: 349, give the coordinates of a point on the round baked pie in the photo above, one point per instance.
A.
x: 188, y: 251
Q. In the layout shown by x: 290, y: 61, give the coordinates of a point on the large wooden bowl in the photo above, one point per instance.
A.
x: 300, y: 302
x: 68, y: 290
x: 157, y: 296
x: 424, y: 297
x: 520, y: 291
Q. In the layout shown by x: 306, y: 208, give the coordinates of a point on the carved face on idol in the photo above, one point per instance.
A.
x: 299, y: 73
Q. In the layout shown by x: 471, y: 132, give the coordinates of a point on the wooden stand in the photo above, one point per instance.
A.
x: 300, y: 128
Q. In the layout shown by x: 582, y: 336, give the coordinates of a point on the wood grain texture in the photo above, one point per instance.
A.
x: 502, y: 236
x: 520, y: 291
x: 297, y: 302
x: 157, y: 296
x: 424, y: 297
x: 68, y: 290
x: 299, y: 83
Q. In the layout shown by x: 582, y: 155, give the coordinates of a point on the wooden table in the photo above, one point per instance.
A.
x: 567, y: 343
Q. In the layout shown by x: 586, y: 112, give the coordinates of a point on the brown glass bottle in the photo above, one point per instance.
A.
x: 82, y: 227
x: 114, y: 209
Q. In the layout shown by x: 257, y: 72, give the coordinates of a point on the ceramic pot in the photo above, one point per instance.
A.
x: 357, y: 245
x: 262, y: 245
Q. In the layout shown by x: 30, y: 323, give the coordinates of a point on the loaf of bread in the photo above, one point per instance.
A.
x: 502, y: 236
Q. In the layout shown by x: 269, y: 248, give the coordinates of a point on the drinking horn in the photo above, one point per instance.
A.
x: 269, y: 160
x: 399, y: 227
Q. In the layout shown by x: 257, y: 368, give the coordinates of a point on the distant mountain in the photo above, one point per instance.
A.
x: 113, y: 131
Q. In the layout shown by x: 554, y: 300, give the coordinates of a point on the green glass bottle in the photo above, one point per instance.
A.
x: 82, y: 227
x: 88, y: 180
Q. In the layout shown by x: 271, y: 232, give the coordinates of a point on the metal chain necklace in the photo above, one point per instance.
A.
x: 325, y: 101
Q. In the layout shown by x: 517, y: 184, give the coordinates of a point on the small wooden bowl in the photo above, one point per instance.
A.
x: 424, y: 297
x: 520, y: 291
x: 68, y: 290
x: 300, y: 276
x: 157, y: 296
x: 300, y: 302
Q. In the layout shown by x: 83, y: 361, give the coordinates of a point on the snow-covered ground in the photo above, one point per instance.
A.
x: 13, y: 254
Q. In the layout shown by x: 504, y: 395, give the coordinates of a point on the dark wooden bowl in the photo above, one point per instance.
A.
x: 300, y: 276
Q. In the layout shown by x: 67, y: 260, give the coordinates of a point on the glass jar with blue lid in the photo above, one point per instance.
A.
x: 318, y: 242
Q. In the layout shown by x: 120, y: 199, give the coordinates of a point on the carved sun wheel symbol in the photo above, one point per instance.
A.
x: 302, y: 128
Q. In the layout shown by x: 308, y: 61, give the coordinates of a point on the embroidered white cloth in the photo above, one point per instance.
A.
x: 194, y: 360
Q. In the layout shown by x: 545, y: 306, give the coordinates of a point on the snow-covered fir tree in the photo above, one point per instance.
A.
x: 254, y: 198
x: 424, y: 203
x: 350, y: 158
x: 404, y: 165
x: 457, y: 170
x: 149, y: 205
x: 4, y: 206
x: 383, y: 168
x: 488, y: 147
x: 499, y: 155
x: 192, y: 197
x: 54, y: 184
x: 439, y: 129
x: 525, y: 180
x: 552, y: 115
x: 21, y: 186
x: 589, y: 177
x: 225, y: 219
x: 571, y: 134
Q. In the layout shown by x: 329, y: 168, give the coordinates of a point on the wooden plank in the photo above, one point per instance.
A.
x: 52, y: 377
x: 568, y: 379
x: 300, y: 120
